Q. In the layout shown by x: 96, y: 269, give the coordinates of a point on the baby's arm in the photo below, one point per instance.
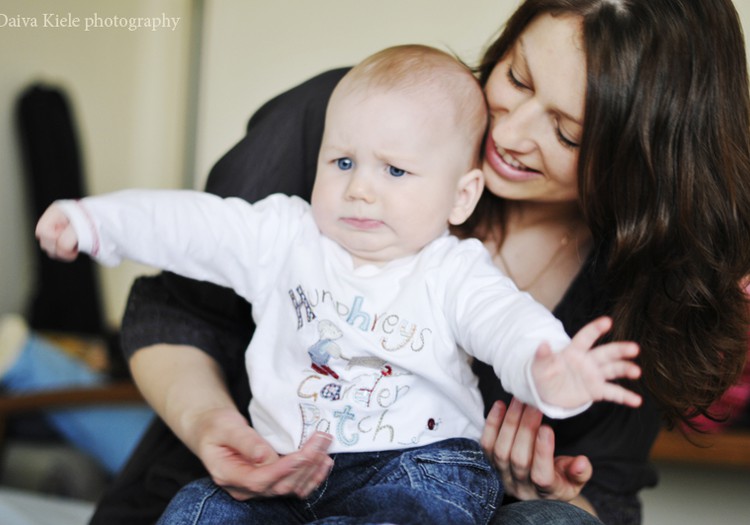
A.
x: 194, y: 234
x: 527, y: 346
x: 579, y: 374
x: 168, y: 229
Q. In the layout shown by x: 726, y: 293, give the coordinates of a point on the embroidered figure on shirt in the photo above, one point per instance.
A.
x: 299, y: 305
x: 431, y: 425
x: 366, y: 362
x: 331, y: 391
x: 311, y: 421
x: 406, y: 330
x: 385, y: 396
x: 321, y: 352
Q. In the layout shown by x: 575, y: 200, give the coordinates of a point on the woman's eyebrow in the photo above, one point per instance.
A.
x: 568, y: 116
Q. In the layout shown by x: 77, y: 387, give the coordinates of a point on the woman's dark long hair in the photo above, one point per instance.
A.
x: 664, y: 183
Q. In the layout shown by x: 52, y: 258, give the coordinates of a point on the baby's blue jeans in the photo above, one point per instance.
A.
x: 446, y: 482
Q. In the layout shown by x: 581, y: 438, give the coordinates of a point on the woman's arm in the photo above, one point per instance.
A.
x: 187, y: 389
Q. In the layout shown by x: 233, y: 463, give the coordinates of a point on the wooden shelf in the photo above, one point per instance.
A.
x: 13, y: 404
x: 121, y: 392
x: 730, y: 448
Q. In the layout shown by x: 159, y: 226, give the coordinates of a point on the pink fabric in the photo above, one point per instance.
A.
x: 733, y: 403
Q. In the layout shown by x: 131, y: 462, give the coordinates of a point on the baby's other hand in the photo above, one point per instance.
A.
x: 581, y: 373
x: 56, y: 235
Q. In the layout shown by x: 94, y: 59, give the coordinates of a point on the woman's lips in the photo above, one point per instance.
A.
x: 506, y: 165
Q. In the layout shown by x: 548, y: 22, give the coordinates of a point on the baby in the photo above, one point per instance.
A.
x: 368, y: 312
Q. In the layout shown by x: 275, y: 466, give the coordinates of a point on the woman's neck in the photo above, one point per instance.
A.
x: 543, y: 248
x: 563, y: 215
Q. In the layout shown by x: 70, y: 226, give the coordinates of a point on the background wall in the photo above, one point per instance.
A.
x: 128, y: 91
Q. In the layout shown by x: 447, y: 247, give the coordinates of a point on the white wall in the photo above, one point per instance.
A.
x: 128, y: 91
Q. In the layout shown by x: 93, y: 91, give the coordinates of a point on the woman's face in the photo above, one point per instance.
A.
x: 536, y: 101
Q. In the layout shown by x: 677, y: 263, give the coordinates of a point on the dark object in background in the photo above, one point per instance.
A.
x: 66, y: 297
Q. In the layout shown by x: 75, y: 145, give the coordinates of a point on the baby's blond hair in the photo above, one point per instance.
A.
x: 426, y: 71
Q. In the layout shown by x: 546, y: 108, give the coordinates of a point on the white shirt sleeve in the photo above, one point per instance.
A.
x: 194, y: 234
x: 502, y: 326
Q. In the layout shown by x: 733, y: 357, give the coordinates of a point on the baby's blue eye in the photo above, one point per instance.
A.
x: 396, y: 172
x: 345, y: 163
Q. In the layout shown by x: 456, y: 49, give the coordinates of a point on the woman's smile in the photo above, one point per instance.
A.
x: 505, y: 165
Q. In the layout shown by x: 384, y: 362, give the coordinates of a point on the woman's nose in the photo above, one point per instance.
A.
x: 517, y: 129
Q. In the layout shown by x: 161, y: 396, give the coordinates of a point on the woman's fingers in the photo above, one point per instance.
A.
x: 317, y: 464
x: 296, y: 474
x: 506, y: 435
x: 524, y: 444
x: 492, y: 428
x: 542, y: 474
x: 509, y: 439
x: 246, y: 466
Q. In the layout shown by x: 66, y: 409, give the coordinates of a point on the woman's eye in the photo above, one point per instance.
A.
x: 514, y: 80
x: 396, y: 172
x: 565, y: 141
x: 345, y: 163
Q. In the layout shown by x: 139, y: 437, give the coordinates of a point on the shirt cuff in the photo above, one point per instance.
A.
x: 80, y: 220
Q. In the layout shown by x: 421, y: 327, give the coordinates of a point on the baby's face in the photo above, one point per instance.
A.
x: 387, y: 174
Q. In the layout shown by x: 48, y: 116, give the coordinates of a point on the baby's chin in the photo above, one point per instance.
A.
x: 380, y: 257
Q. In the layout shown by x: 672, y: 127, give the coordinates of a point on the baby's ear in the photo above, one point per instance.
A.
x: 468, y: 191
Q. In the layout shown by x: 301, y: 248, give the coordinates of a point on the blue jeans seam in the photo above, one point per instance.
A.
x: 199, y: 505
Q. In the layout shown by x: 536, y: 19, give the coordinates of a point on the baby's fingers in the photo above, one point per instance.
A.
x: 62, y: 245
x: 56, y: 236
x: 589, y: 334
x: 621, y: 395
x: 67, y: 244
x: 614, y: 360
x: 620, y: 370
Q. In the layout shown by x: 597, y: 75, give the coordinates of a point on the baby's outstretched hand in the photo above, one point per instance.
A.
x: 580, y: 374
x: 56, y: 235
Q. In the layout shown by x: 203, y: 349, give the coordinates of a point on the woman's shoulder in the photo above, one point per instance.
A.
x: 310, y: 95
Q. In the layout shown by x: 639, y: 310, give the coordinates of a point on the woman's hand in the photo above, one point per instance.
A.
x: 241, y: 462
x: 187, y: 389
x: 522, y: 449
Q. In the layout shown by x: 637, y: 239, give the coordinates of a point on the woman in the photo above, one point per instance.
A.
x: 616, y: 166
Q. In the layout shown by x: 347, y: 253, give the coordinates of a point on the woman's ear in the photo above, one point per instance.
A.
x: 468, y: 191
